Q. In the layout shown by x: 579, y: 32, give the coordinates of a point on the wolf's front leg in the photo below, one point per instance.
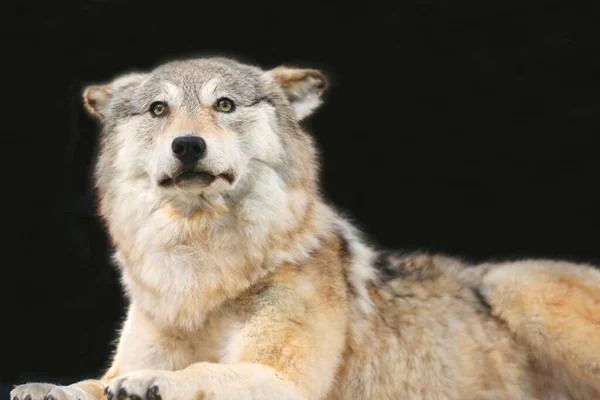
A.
x: 85, y: 390
x: 205, y: 381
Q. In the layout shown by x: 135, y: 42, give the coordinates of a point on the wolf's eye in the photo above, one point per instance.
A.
x: 158, y: 108
x: 225, y: 105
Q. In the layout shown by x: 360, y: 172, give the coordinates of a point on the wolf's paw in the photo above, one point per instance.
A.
x: 46, y: 391
x: 142, y: 385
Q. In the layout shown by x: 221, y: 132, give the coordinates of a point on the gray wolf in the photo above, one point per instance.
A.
x: 243, y: 283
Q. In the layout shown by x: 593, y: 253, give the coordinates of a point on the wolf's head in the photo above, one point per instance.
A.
x: 192, y: 132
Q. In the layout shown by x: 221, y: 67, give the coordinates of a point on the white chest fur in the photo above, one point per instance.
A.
x: 178, y: 268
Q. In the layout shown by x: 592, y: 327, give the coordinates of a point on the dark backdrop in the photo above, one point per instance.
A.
x: 468, y: 127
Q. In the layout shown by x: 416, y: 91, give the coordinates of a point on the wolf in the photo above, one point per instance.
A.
x: 244, y: 283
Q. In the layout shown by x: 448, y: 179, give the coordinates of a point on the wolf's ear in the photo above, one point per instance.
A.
x: 97, y: 98
x: 302, y: 87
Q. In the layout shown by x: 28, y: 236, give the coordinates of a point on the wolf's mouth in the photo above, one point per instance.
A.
x: 188, y: 177
x: 195, y: 177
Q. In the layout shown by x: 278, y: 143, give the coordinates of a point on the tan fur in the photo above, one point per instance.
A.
x: 288, y: 77
x: 90, y: 99
x: 276, y: 296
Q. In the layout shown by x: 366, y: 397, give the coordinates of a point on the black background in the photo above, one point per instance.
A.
x: 468, y: 127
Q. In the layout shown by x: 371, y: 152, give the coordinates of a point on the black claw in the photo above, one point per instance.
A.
x: 135, y: 397
x: 15, y: 398
x: 122, y: 395
x: 109, y: 394
x: 106, y: 390
x: 49, y: 397
x: 152, y: 393
x: 28, y: 397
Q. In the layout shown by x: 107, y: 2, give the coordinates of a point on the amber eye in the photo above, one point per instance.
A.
x: 225, y: 105
x: 158, y: 108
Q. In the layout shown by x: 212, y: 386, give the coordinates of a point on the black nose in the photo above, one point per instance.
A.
x: 189, y: 149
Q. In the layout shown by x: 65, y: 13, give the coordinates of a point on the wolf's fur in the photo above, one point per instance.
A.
x: 253, y: 287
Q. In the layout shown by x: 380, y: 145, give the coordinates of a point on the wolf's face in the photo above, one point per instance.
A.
x: 198, y: 129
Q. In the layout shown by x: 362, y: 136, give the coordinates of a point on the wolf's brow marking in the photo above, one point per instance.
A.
x: 261, y: 99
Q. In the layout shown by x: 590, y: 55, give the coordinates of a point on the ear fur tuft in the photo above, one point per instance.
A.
x: 302, y: 87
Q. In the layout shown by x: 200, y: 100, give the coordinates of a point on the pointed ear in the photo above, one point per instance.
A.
x: 97, y: 98
x: 302, y: 87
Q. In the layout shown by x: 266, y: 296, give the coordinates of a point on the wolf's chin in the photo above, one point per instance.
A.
x: 186, y: 204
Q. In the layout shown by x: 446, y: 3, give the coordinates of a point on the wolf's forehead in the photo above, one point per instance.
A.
x: 197, y: 81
